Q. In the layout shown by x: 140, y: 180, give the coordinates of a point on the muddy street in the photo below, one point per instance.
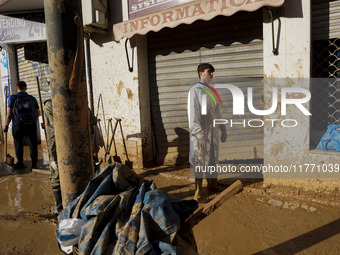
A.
x: 251, y: 222
x: 256, y: 222
x: 26, y: 222
x: 27, y: 225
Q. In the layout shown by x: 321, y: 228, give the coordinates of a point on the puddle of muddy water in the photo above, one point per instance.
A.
x: 23, y: 192
x: 27, y: 225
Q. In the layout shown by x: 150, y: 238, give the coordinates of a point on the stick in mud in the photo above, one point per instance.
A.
x: 8, y: 158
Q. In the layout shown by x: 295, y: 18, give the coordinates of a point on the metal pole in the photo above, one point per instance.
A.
x: 41, y: 102
x: 41, y: 108
x: 88, y: 71
x: 69, y: 96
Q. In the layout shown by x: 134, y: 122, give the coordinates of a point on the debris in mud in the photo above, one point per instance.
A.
x: 308, y: 208
x: 34, y: 217
x: 273, y: 202
x: 312, y: 209
x: 292, y: 205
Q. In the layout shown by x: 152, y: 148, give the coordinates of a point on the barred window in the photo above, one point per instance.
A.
x: 325, y: 102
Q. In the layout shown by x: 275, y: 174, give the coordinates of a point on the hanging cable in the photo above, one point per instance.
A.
x: 275, y: 46
x: 127, y: 56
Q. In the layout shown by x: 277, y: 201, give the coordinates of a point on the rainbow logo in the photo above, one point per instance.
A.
x: 209, y: 93
x: 204, y: 97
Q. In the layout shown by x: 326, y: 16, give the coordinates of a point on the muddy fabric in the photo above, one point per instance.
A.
x: 48, y: 113
x: 77, y: 69
x: 126, y: 215
x: 204, y: 138
x: 51, y: 145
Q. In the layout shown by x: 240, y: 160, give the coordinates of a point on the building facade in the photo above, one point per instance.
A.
x: 143, y: 66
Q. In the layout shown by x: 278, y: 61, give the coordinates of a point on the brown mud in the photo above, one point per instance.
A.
x: 253, y: 221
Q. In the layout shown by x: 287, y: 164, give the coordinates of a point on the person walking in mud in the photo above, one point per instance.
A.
x: 204, y: 138
x: 52, y: 153
x: 23, y: 111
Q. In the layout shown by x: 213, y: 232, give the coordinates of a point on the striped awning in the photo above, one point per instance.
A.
x: 187, y: 14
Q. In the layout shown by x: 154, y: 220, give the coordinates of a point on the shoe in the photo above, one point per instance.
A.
x: 56, y: 211
x: 212, y: 184
x: 19, y: 166
x: 198, y: 191
x: 58, y: 201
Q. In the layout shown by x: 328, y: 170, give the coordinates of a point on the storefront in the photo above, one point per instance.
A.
x: 227, y: 34
x: 24, y: 48
x: 25, y: 39
x: 233, y: 45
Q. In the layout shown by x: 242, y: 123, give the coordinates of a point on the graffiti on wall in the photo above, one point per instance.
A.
x: 4, y: 70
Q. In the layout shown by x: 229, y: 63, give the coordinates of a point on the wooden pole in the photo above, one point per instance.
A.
x: 215, y: 203
x: 69, y: 96
x: 41, y: 106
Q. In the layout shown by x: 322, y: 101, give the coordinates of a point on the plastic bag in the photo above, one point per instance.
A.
x: 68, y: 231
x: 330, y: 141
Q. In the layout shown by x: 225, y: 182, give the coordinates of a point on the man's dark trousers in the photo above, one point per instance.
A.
x: 30, y: 131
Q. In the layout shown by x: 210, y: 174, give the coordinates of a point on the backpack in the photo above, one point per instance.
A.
x: 24, y: 110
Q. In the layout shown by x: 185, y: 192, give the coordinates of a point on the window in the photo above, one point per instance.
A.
x: 325, y: 102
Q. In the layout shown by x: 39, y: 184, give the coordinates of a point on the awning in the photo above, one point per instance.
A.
x: 187, y: 14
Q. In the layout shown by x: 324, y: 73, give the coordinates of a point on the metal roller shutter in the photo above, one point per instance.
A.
x: 29, y: 69
x: 325, y: 20
x: 233, y: 45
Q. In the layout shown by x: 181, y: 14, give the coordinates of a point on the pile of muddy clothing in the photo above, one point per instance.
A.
x: 126, y: 214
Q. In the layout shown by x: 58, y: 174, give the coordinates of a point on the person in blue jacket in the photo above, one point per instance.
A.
x: 23, y: 111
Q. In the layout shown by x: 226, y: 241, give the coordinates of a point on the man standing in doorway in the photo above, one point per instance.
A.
x: 23, y: 111
x: 204, y: 138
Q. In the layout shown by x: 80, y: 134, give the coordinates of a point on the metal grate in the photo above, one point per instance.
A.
x: 325, y: 104
x: 325, y: 87
x: 326, y: 64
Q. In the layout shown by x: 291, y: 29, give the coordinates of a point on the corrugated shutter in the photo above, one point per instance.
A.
x: 326, y: 20
x: 28, y: 69
x: 233, y: 45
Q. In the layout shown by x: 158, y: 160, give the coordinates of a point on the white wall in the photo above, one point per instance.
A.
x: 125, y: 94
x: 291, y: 68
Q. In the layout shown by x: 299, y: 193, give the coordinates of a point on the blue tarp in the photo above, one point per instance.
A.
x: 125, y: 214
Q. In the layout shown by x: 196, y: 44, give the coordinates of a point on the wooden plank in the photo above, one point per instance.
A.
x: 215, y: 203
x: 41, y: 171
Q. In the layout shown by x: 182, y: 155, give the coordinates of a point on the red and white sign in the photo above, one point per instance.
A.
x: 186, y: 14
x: 139, y: 8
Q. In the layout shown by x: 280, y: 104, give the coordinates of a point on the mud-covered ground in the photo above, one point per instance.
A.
x: 255, y: 222
x: 251, y: 222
